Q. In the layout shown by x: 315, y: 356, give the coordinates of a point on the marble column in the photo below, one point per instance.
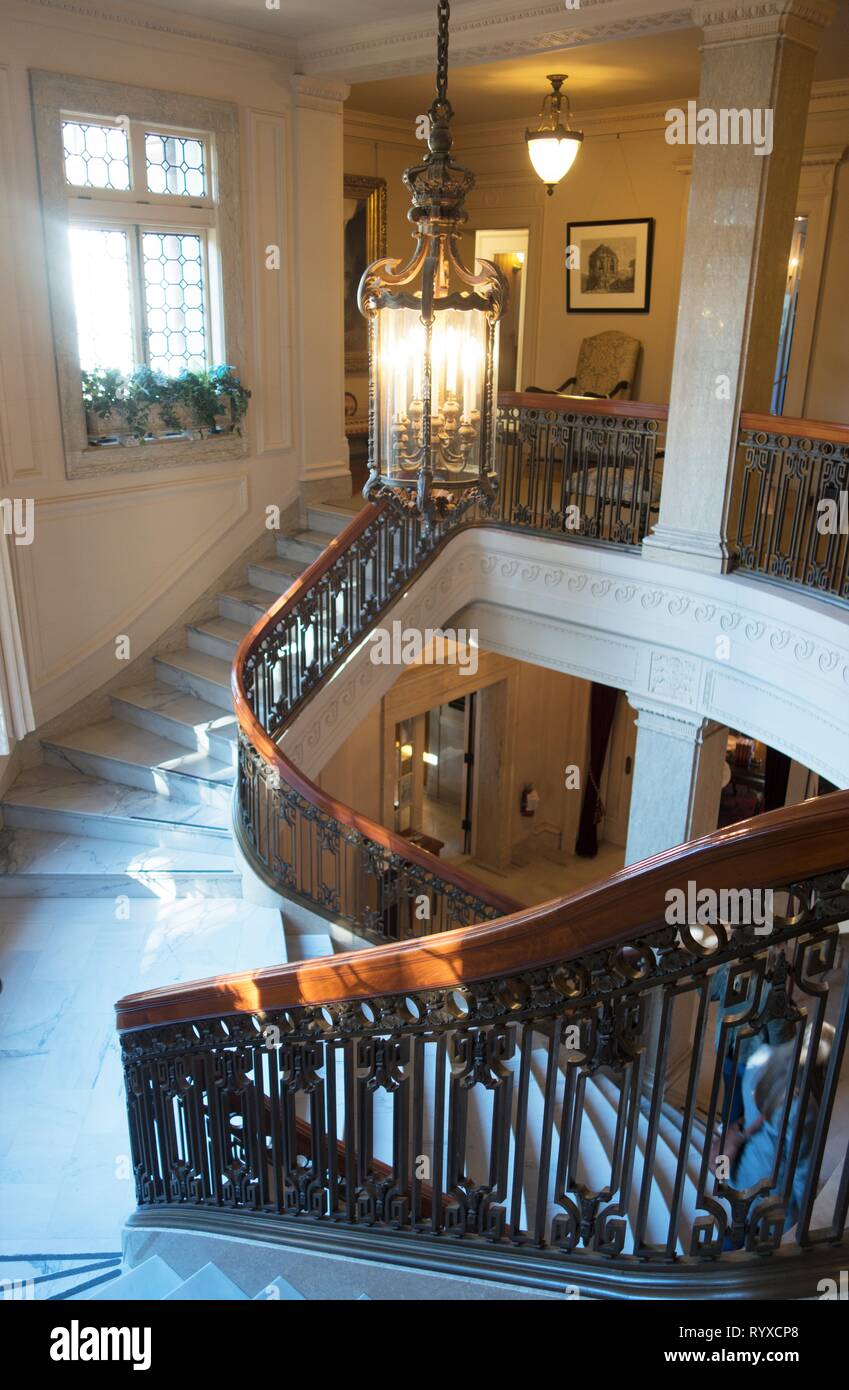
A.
x: 677, y: 778
x: 756, y: 56
x: 320, y: 281
x: 678, y: 765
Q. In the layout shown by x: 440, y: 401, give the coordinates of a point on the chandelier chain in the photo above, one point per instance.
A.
x: 444, y: 15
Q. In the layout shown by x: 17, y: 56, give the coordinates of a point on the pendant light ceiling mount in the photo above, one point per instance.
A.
x: 553, y: 147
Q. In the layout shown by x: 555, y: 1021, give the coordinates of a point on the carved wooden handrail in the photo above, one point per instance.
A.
x: 769, y: 850
x: 828, y: 431
x: 265, y: 746
x: 446, y: 1083
x: 583, y: 405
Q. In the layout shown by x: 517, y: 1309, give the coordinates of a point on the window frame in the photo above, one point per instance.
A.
x: 216, y: 217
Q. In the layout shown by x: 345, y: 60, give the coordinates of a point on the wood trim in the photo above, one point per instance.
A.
x: 271, y: 754
x: 582, y: 405
x: 791, y: 843
x: 765, y: 852
x: 827, y: 431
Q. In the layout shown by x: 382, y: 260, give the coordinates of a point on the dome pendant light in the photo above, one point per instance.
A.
x: 553, y: 146
x: 433, y: 340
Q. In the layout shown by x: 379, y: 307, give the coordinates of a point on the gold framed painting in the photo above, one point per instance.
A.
x: 365, y: 240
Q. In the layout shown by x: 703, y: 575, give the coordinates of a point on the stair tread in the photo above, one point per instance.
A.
x: 211, y: 668
x: 42, y: 853
x: 225, y: 628
x: 248, y: 593
x: 317, y: 538
x: 179, y: 706
x: 331, y: 517
x: 279, y: 564
x: 208, y: 1283
x: 127, y: 743
x: 52, y: 788
x: 152, y: 1280
x: 279, y: 1290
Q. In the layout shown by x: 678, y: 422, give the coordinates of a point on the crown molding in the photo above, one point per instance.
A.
x: 155, y: 19
x: 735, y: 21
x: 484, y: 31
x: 610, y: 120
x: 319, y: 93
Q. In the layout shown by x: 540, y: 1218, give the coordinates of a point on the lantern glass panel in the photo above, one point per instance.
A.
x: 458, y: 399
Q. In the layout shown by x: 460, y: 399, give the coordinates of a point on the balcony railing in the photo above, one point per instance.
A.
x: 579, y: 467
x: 792, y: 502
x: 516, y: 1085
x: 551, y: 1085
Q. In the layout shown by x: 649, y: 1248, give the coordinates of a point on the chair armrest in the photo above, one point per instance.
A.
x: 620, y: 386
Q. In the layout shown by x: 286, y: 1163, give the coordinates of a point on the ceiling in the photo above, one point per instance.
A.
x: 601, y: 75
x: 295, y: 19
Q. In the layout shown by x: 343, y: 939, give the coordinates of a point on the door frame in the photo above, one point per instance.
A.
x: 492, y: 241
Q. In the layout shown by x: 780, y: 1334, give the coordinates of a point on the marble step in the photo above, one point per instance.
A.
x: 47, y: 864
x: 244, y: 604
x: 300, y: 946
x: 171, y: 713
x: 209, y: 1284
x: 151, y: 1281
x: 60, y: 798
x: 217, y: 637
x: 280, y: 1291
x: 121, y: 752
x: 330, y: 519
x: 274, y: 576
x: 195, y: 673
x: 304, y: 546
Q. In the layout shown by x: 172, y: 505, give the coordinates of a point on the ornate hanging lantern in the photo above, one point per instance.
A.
x: 553, y: 147
x: 433, y: 340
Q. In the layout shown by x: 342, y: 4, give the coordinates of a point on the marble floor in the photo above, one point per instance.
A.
x: 64, y: 1169
x: 533, y: 878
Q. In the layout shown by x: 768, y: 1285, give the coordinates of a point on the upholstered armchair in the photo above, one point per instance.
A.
x: 607, y: 365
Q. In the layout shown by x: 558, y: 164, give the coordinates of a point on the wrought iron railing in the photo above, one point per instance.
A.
x: 553, y: 1089
x: 578, y: 467
x: 791, y: 502
x: 565, y: 468
x: 307, y: 845
x: 555, y: 1086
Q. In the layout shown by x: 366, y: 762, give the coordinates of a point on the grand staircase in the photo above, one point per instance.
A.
x: 543, y: 1083
x: 139, y: 804
x: 573, y: 1152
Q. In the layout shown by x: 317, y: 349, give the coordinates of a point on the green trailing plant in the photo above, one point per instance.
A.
x: 101, y: 390
x: 204, y: 396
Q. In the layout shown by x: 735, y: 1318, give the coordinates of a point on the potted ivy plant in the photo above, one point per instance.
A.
x: 148, y: 405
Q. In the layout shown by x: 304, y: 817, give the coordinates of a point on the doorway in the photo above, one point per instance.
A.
x: 509, y: 250
x: 449, y: 760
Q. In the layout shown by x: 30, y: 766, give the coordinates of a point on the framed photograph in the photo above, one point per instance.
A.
x: 609, y: 272
x: 365, y: 240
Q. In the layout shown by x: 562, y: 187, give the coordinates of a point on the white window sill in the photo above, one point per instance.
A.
x: 173, y: 451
